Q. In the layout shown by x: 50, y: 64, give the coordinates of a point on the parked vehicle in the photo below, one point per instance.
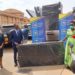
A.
x: 6, y: 31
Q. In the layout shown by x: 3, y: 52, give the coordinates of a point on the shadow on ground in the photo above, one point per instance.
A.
x: 5, y: 72
x: 38, y: 68
x: 25, y: 71
x: 30, y: 70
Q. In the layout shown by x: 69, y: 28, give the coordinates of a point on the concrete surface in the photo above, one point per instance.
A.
x: 9, y: 68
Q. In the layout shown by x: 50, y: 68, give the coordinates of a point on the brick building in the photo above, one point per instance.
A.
x: 11, y: 16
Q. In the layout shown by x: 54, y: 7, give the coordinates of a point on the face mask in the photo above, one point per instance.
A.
x: 72, y: 27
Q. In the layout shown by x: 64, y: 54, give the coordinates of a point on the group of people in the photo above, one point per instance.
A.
x: 17, y: 36
x: 70, y: 45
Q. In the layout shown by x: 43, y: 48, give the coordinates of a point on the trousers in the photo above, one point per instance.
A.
x: 15, y: 54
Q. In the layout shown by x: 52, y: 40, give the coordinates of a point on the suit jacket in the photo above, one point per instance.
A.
x: 16, y: 37
x: 1, y: 39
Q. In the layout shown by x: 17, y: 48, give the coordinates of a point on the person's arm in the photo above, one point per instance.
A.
x: 2, y: 41
x: 20, y: 38
x: 65, y: 38
x: 1, y: 45
x: 67, y: 35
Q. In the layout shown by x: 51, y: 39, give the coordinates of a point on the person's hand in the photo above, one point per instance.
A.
x: 1, y: 46
x: 65, y: 39
x: 71, y: 45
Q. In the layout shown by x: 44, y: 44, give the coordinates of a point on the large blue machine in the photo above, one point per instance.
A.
x: 64, y: 24
x: 38, y: 31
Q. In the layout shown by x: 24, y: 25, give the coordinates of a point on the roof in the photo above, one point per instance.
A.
x: 13, y: 11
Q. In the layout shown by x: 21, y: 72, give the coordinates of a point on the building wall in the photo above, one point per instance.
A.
x: 9, y: 20
x: 11, y: 17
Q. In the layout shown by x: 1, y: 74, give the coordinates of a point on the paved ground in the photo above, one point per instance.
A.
x: 9, y: 68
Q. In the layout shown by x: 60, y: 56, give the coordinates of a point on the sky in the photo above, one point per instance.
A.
x: 29, y: 4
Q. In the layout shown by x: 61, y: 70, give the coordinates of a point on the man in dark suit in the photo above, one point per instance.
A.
x: 16, y: 39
